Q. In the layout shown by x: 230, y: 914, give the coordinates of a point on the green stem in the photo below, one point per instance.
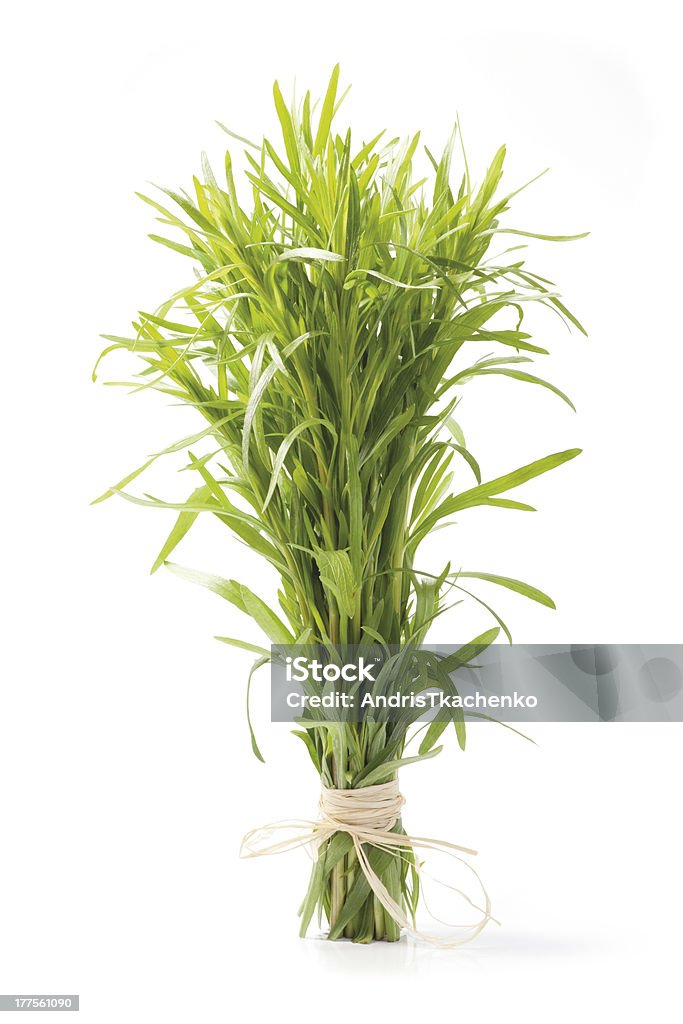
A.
x: 338, y: 891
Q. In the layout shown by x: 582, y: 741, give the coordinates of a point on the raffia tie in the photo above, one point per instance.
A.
x: 368, y: 815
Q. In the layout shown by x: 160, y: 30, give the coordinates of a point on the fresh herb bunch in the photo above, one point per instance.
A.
x: 317, y: 341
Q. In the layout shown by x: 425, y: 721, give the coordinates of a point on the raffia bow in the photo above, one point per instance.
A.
x: 368, y: 815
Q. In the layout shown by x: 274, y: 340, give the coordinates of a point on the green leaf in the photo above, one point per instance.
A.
x: 259, y: 390
x: 533, y: 593
x: 234, y: 135
x: 242, y: 597
x: 432, y: 735
x: 265, y: 617
x: 336, y: 575
x: 308, y: 253
x: 352, y: 278
x: 544, y: 238
x: 287, y: 125
x: 182, y: 525
x: 467, y: 652
x: 123, y: 483
x: 327, y: 113
x: 284, y: 449
x: 243, y: 645
x: 389, y: 768
x: 254, y: 745
x: 308, y: 742
x: 528, y: 377
x: 510, y: 480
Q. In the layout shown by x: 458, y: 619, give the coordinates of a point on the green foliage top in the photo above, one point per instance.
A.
x: 317, y: 341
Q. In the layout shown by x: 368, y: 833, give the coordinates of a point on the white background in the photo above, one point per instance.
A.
x: 126, y: 778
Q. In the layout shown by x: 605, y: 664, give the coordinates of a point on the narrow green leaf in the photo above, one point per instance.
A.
x: 284, y: 449
x: 529, y: 378
x: 123, y: 483
x: 254, y: 668
x: 242, y: 597
x: 243, y: 645
x: 510, y: 480
x: 533, y: 593
x: 336, y: 575
x: 326, y: 113
x: 389, y: 768
x: 308, y: 253
x: 432, y: 735
x: 182, y: 526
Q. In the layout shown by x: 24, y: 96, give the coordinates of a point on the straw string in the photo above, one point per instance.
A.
x: 368, y: 816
